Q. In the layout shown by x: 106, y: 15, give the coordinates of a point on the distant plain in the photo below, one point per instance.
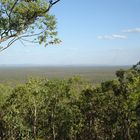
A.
x: 20, y: 74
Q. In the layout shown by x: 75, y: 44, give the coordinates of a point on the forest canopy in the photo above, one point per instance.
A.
x: 27, y: 20
x: 72, y: 109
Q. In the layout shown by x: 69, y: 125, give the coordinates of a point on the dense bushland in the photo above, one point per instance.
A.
x: 72, y: 109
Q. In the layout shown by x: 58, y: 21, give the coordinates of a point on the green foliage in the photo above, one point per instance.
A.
x: 27, y: 20
x: 5, y: 91
x: 73, y: 109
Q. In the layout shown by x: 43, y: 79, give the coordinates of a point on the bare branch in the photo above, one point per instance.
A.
x: 9, y: 44
x: 55, y: 2
x: 8, y: 37
x: 18, y: 38
x: 51, y: 4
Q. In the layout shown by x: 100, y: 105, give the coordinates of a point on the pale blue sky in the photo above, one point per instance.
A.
x: 93, y: 32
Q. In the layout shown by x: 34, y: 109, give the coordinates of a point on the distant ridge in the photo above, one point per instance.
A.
x: 45, y: 65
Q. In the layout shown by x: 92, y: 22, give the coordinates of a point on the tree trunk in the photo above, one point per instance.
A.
x: 35, y: 120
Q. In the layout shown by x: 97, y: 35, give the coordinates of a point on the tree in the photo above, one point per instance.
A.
x: 27, y: 20
x: 72, y: 109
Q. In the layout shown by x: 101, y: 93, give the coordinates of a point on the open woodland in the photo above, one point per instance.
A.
x: 72, y: 109
x: 20, y: 74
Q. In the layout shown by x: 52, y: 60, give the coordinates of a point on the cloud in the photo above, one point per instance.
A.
x: 119, y: 36
x: 112, y: 37
x: 135, y: 30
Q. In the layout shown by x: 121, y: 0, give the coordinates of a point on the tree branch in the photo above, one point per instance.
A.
x: 51, y: 4
x: 9, y: 44
x: 17, y: 38
x: 13, y: 7
x: 13, y: 30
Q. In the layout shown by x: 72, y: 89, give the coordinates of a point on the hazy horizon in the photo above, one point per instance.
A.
x: 65, y: 65
x: 21, y: 73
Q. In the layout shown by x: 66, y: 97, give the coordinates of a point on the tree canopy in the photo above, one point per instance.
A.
x: 27, y: 20
x: 72, y: 109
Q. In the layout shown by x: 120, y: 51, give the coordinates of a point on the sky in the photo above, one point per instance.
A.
x: 93, y: 32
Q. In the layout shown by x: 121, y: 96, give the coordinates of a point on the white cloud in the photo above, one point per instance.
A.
x: 135, y: 30
x: 105, y: 37
x: 112, y: 37
x: 119, y: 36
x: 115, y: 36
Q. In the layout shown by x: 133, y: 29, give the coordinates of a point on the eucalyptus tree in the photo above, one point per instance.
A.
x: 27, y: 20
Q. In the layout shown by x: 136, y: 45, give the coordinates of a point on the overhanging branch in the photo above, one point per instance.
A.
x: 16, y: 30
